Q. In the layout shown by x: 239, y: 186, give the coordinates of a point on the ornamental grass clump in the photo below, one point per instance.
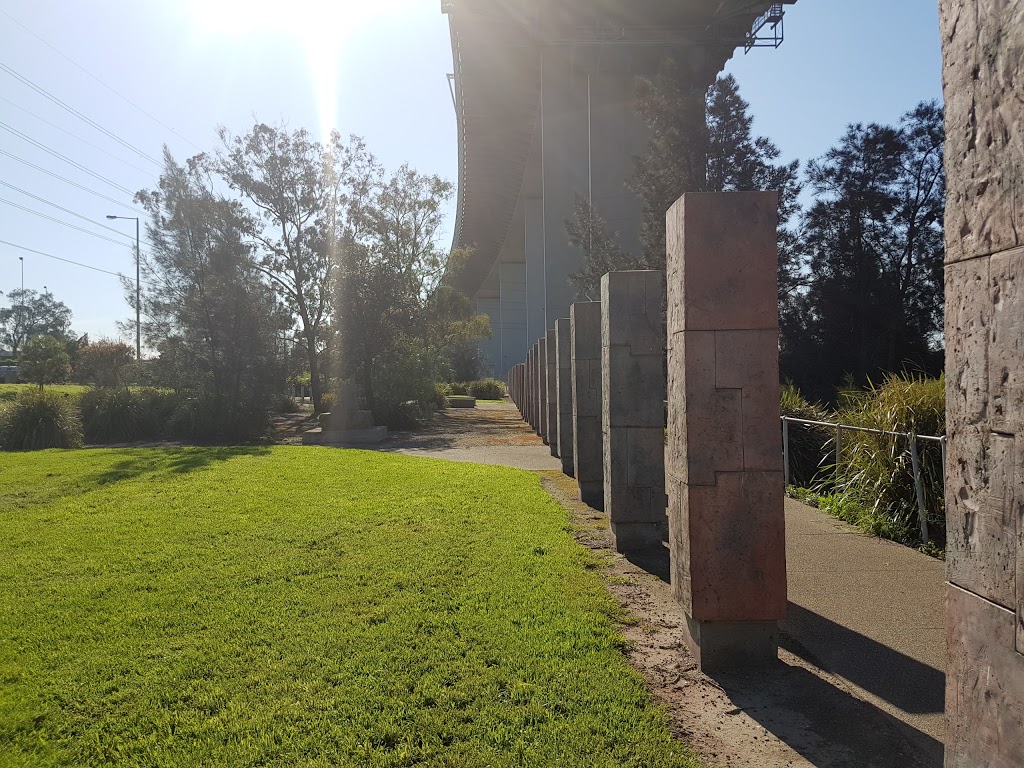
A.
x: 38, y: 420
x: 877, y: 469
x: 486, y: 389
x: 808, y: 444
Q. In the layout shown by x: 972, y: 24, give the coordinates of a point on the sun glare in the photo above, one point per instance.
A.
x: 322, y: 28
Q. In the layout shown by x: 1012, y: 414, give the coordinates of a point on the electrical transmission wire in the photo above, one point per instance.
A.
x: 98, y: 80
x: 68, y: 181
x: 65, y: 158
x: 65, y: 223
x: 87, y: 120
x: 68, y: 261
x: 69, y: 211
x: 75, y: 136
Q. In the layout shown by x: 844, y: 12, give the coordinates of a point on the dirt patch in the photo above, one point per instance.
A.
x: 791, y: 714
x: 487, y: 425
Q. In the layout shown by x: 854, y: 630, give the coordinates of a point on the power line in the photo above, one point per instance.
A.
x: 65, y: 158
x: 87, y: 120
x: 66, y: 261
x: 68, y: 181
x: 73, y: 135
x: 65, y: 223
x: 68, y: 210
x: 97, y: 79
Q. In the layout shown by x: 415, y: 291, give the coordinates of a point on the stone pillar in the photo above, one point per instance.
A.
x: 588, y: 454
x: 983, y: 67
x: 632, y: 407
x: 724, y: 457
x: 563, y: 386
x: 542, y: 388
x: 551, y: 389
x: 531, y: 393
x: 534, y: 390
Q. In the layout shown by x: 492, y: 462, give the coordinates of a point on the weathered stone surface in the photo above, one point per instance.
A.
x: 983, y: 68
x: 563, y: 385
x: 632, y: 414
x: 587, y: 443
x: 982, y: 71
x: 1006, y: 341
x: 984, y: 685
x: 733, y: 570
x: 551, y: 389
x: 724, y: 291
x: 724, y: 457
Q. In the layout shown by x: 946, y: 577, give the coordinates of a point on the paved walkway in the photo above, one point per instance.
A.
x: 862, y: 609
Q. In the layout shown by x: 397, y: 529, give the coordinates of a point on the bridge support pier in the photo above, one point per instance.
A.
x: 588, y: 454
x: 724, y: 458
x: 542, y: 388
x: 632, y: 407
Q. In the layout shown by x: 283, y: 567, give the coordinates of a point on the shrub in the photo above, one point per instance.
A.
x: 285, y: 404
x: 207, y: 419
x: 37, y: 420
x: 123, y: 416
x: 458, y: 388
x: 808, y: 445
x: 104, y: 363
x: 327, y: 402
x: 486, y: 389
x: 877, y: 469
x: 441, y: 392
x: 44, y: 360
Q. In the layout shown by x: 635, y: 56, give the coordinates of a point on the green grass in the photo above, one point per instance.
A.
x: 304, y: 607
x: 9, y: 392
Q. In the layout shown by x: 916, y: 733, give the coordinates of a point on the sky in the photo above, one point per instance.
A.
x: 168, y: 72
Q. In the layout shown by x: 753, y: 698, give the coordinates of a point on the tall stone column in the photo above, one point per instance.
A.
x: 563, y: 386
x: 724, y: 457
x: 531, y: 387
x: 542, y: 388
x: 983, y: 68
x: 632, y: 407
x: 551, y: 390
x: 585, y: 348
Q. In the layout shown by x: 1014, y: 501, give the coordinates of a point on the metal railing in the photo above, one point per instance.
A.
x: 915, y: 459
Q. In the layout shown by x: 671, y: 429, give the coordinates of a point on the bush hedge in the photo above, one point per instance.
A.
x: 38, y: 420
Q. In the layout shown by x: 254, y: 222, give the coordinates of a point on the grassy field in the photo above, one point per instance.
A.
x: 304, y: 607
x: 11, y: 391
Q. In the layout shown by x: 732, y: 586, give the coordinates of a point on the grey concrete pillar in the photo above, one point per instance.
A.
x: 551, y: 389
x: 983, y: 67
x: 563, y: 386
x: 490, y: 348
x: 542, y: 388
x: 531, y: 387
x: 724, y: 457
x: 588, y: 454
x: 632, y: 407
x: 512, y: 313
x: 536, y: 267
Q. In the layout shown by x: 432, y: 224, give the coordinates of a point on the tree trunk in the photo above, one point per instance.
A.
x: 315, y: 389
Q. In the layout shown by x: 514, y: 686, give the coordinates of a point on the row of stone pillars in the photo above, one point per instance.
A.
x: 595, y: 388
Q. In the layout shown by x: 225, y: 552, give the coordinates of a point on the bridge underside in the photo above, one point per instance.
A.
x: 544, y: 100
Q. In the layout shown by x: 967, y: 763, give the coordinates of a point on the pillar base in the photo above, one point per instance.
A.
x: 592, y: 494
x: 639, y: 537
x: 723, y: 645
x: 567, y: 466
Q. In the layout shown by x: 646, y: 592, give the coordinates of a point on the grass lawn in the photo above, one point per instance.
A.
x: 304, y: 607
x: 11, y: 391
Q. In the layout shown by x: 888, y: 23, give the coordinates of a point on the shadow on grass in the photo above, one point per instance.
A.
x: 152, y: 461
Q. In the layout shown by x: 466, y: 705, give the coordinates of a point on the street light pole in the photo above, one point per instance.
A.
x: 138, y: 286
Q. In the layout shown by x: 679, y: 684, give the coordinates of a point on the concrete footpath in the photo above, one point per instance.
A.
x: 869, y: 611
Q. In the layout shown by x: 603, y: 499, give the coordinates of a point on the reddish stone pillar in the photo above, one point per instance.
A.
x: 983, y: 72
x: 588, y: 453
x: 563, y: 385
x: 551, y: 389
x: 633, y: 407
x: 724, y: 457
x: 542, y: 388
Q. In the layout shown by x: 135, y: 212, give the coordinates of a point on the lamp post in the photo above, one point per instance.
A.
x: 138, y: 289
